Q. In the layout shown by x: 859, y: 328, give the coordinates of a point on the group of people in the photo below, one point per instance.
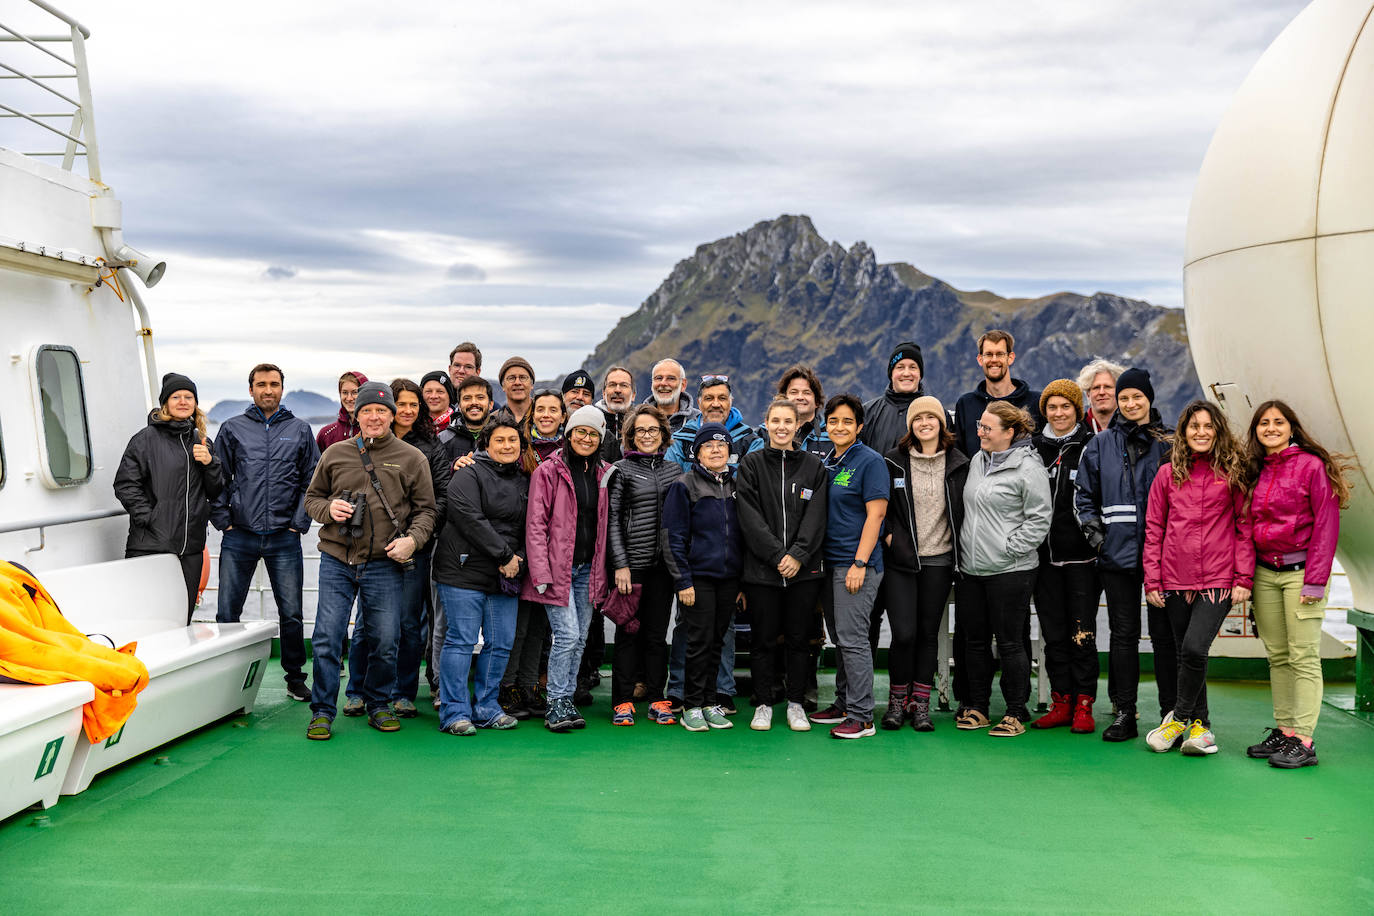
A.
x: 455, y: 524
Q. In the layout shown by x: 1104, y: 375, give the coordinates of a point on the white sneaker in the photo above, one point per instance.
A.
x: 1168, y: 736
x: 763, y: 719
x: 1200, y: 740
x: 796, y: 718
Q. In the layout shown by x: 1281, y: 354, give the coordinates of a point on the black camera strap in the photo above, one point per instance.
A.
x: 377, y: 485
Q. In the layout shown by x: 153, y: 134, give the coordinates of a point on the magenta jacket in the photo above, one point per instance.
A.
x: 343, y: 428
x: 551, y: 534
x: 1197, y: 535
x: 1293, y: 510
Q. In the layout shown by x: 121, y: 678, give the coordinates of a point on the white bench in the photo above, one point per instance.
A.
x: 39, y: 726
x: 198, y: 674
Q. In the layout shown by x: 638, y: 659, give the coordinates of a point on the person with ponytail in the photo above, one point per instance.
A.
x: 167, y: 480
x: 1199, y: 560
x: 1297, y: 491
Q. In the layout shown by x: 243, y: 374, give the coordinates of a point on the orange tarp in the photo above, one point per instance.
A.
x: 39, y: 646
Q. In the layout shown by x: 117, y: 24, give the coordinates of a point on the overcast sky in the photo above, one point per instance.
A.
x: 362, y: 185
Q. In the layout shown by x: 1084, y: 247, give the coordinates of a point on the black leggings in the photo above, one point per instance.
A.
x: 1195, y: 618
x: 997, y: 607
x: 1124, y: 590
x: 789, y: 610
x: 915, y: 605
x: 645, y: 652
x: 1066, y: 603
x: 527, y: 651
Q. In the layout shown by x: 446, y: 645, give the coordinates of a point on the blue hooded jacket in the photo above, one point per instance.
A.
x: 743, y: 439
x: 268, y: 463
x: 1113, y: 483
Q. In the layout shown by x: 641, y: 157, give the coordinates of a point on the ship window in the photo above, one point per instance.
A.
x: 66, y: 437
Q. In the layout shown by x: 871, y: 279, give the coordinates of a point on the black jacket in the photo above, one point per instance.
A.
x: 904, y: 552
x: 458, y: 441
x: 610, y: 443
x: 167, y: 492
x: 1061, y: 456
x: 440, y: 470
x: 782, y: 502
x: 484, y: 524
x: 968, y: 410
x: 634, y: 536
x: 885, y: 418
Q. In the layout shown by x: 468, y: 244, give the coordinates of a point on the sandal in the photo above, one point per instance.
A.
x: 972, y: 719
x: 320, y: 729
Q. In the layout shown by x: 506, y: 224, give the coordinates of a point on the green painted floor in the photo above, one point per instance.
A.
x: 249, y: 817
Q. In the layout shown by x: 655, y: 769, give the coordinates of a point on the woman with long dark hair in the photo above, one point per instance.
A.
x: 1297, y: 491
x: 924, y: 514
x: 1199, y: 560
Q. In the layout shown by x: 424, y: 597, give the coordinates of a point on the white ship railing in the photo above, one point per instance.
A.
x: 38, y: 63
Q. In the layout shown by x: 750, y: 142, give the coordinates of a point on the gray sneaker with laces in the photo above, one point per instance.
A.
x: 715, y: 717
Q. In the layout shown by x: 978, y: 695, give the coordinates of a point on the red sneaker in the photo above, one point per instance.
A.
x: 831, y: 715
x: 853, y: 728
x: 1061, y: 713
x: 1083, y: 723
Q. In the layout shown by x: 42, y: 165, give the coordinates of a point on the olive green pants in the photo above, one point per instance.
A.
x: 1292, y: 634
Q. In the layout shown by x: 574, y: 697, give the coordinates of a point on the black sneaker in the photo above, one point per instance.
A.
x: 1123, y: 727
x: 512, y: 701
x: 582, y: 696
x: 1294, y: 754
x: 536, y: 700
x: 1269, y: 746
x: 675, y: 705
x: 726, y: 704
x: 297, y: 691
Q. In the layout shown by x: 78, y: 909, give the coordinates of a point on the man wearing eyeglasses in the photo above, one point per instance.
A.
x: 617, y: 397
x: 668, y: 383
x: 717, y: 402
x: 996, y: 353
x: 516, y: 379
x: 464, y: 360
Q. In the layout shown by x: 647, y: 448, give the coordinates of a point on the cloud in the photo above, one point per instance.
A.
x: 465, y: 272
x: 277, y: 272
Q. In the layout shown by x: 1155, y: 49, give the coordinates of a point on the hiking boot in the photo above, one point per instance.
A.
x: 512, y: 701
x: 1269, y: 746
x: 404, y: 708
x: 715, y: 717
x: 559, y: 717
x: 1061, y: 713
x: 796, y: 718
x: 536, y: 700
x: 853, y: 728
x: 1123, y: 727
x: 763, y: 719
x: 462, y: 727
x: 919, y: 710
x: 1200, y: 741
x: 971, y: 720
x: 1294, y: 754
x: 354, y: 706
x: 1167, y: 736
x: 726, y: 704
x: 624, y: 714
x: 384, y: 720
x: 321, y: 728
x: 662, y: 712
x: 831, y: 715
x: 501, y: 721
x: 1083, y: 722
x: 1009, y: 727
x: 693, y: 720
x: 297, y: 691
x: 577, y: 720
x: 895, y: 714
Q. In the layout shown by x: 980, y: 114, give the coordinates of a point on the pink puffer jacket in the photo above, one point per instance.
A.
x: 1294, y: 509
x: 551, y: 534
x: 1197, y: 534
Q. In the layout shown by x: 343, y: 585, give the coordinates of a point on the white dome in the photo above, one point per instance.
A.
x: 1279, y: 268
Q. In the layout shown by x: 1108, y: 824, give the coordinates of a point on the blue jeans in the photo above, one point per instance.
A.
x: 408, y: 651
x: 239, y: 553
x: 469, y: 612
x: 569, y: 625
x: 677, y: 662
x: 378, y: 586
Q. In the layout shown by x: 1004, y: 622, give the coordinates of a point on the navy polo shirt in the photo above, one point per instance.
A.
x: 856, y: 478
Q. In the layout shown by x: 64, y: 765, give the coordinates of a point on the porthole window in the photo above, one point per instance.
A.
x: 62, y: 402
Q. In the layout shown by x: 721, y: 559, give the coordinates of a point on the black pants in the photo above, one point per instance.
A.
x: 997, y: 607
x: 705, y: 622
x: 915, y: 604
x: 527, y: 651
x: 191, y: 565
x: 595, y: 651
x: 1125, y: 591
x: 789, y: 610
x: 1066, y: 602
x: 644, y: 654
x: 1195, y: 618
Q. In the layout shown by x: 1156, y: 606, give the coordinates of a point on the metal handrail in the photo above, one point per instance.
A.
x: 54, y: 521
x: 80, y: 137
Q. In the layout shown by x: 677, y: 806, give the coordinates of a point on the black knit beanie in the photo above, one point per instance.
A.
x: 1139, y: 379
x: 173, y: 382
x: 906, y: 350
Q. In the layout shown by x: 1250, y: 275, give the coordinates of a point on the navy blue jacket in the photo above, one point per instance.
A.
x: 1114, y: 477
x: 267, y: 465
x: 968, y: 410
x: 701, y: 524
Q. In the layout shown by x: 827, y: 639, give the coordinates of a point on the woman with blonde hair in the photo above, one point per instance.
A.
x: 1199, y: 560
x: 167, y: 480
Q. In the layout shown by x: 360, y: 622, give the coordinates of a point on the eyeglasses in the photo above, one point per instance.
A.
x: 987, y: 430
x: 645, y: 432
x: 584, y: 433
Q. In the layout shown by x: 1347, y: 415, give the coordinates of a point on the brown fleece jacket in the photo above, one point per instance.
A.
x: 404, y: 472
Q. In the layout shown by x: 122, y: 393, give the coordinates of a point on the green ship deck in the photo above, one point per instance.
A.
x: 248, y: 816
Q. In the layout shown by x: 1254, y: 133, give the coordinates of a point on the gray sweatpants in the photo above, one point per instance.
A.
x: 846, y: 617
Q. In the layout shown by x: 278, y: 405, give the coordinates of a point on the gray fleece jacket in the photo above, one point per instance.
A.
x: 1007, y: 511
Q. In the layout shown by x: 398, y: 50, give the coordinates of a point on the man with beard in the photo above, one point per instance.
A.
x: 474, y: 405
x: 996, y: 353
x: 617, y: 397
x: 668, y: 383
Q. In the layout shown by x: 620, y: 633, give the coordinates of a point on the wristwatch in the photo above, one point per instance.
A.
x: 862, y: 564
